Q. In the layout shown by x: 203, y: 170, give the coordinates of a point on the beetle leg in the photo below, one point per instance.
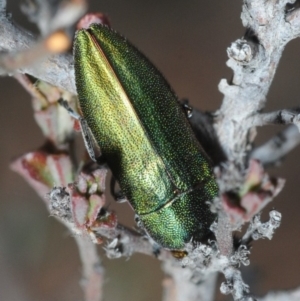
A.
x: 88, y: 138
x: 89, y: 142
x: 117, y: 195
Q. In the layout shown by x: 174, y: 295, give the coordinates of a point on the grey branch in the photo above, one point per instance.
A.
x: 179, y: 285
x: 258, y: 230
x: 93, y: 272
x: 15, y: 43
x: 274, y: 150
x: 254, y: 60
x: 50, y: 16
x: 292, y: 295
x: 277, y: 117
x: 129, y: 242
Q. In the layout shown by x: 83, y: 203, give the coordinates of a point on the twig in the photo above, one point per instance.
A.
x: 258, y: 230
x: 51, y: 16
x: 277, y: 117
x: 292, y: 295
x: 125, y: 242
x: 254, y: 68
x: 93, y: 272
x: 2, y: 6
x: 254, y: 60
x: 274, y: 150
x: 56, y: 70
x: 223, y: 234
x: 180, y: 284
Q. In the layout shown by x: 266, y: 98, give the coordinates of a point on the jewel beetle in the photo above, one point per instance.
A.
x: 144, y: 137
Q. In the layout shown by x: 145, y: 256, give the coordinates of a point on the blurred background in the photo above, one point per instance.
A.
x: 187, y: 40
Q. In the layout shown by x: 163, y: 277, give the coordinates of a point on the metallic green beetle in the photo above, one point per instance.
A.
x: 145, y: 138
